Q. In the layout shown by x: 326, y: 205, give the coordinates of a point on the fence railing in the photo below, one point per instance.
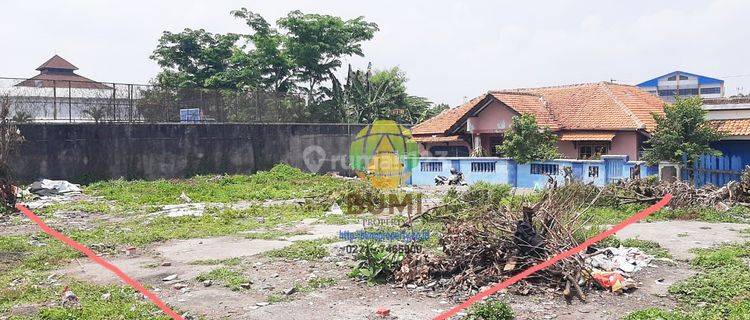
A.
x: 49, y: 100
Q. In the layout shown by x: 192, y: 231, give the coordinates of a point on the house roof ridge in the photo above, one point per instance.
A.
x: 562, y: 86
x: 622, y: 106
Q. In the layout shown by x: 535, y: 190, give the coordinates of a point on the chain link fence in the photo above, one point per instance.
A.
x: 50, y: 100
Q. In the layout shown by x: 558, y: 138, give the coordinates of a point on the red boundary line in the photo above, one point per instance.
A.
x: 478, y: 297
x: 83, y: 249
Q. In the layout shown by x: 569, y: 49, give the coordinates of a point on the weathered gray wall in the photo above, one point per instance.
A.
x: 88, y: 152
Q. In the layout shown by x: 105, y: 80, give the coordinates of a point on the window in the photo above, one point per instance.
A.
x: 591, y: 151
x: 683, y: 77
x: 667, y: 93
x: 449, y: 151
x: 593, y: 171
x: 539, y: 168
x: 689, y: 92
x: 494, y: 143
x: 672, y: 78
x: 482, y: 167
x: 431, y: 166
x: 715, y: 90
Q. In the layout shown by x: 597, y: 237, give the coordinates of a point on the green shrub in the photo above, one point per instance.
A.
x: 654, y: 314
x: 375, y: 262
x: 483, y: 193
x: 491, y: 310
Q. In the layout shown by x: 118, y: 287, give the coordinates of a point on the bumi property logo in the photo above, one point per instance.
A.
x: 383, y: 154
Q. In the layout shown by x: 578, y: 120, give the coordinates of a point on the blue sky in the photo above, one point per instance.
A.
x: 450, y: 50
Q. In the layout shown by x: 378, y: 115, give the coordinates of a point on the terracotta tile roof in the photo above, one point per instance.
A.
x: 587, y: 136
x: 592, y: 106
x: 62, y: 81
x: 436, y: 138
x: 526, y: 102
x: 57, y: 62
x: 58, y: 72
x: 443, y: 121
x: 733, y: 127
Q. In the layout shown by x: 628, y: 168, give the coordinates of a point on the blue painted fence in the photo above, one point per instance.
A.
x: 714, y: 170
x: 529, y: 175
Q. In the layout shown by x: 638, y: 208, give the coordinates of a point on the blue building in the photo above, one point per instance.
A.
x: 683, y: 84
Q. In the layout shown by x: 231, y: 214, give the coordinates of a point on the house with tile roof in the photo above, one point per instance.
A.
x: 732, y: 117
x: 591, y: 120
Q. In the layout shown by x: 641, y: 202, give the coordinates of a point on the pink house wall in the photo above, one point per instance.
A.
x: 624, y: 143
x: 495, y: 118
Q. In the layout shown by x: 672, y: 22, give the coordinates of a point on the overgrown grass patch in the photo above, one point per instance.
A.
x: 315, y: 283
x: 723, y: 256
x: 302, y: 250
x: 720, y: 291
x: 25, y: 280
x: 281, y: 182
x: 212, y: 262
x: 228, y: 277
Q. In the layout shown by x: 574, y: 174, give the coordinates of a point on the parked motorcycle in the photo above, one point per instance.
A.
x: 456, y: 179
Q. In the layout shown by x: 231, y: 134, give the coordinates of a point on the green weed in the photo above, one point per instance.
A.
x: 230, y: 278
x: 491, y: 310
x: 302, y: 250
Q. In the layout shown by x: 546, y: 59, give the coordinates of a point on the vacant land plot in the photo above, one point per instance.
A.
x: 267, y: 246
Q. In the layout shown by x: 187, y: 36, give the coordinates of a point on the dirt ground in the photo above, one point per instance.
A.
x: 350, y: 299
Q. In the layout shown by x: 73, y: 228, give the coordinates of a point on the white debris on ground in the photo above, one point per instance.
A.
x: 181, y: 210
x: 45, y: 192
x: 627, y: 260
x: 46, y: 187
x: 198, y: 208
x: 612, y: 267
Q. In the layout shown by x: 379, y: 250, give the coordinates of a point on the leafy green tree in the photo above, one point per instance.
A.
x: 525, y: 141
x: 682, y: 134
x: 269, y: 60
x: 196, y: 58
x: 317, y: 43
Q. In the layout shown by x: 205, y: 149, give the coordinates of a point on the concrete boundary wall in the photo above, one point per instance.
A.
x: 89, y: 152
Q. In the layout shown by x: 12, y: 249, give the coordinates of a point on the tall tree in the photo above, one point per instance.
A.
x: 682, y: 134
x: 316, y: 43
x: 196, y: 58
x: 268, y: 59
x: 525, y: 141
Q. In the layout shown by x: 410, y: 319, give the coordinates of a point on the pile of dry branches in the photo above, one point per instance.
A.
x: 490, y: 244
x: 684, y: 193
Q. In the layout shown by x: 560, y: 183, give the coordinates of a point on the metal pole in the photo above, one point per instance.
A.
x: 114, y: 102
x: 70, y: 103
x: 130, y: 102
x: 54, y: 100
